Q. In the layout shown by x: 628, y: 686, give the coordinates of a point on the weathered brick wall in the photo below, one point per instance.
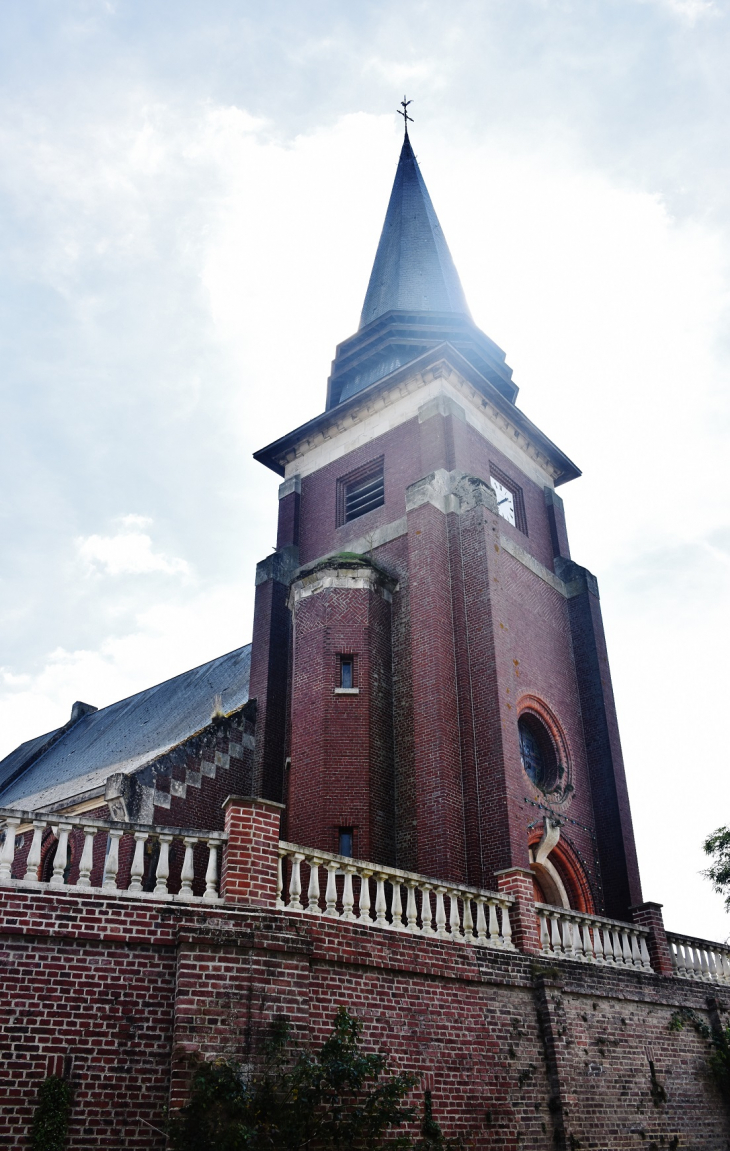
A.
x: 341, y: 771
x: 517, y: 1054
x: 476, y: 634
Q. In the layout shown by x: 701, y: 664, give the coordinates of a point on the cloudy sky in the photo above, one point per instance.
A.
x: 190, y: 199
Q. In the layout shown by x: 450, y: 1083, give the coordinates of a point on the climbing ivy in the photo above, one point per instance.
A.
x: 49, y: 1129
x: 719, y: 1040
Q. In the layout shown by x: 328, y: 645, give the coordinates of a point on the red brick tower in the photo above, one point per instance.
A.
x: 429, y: 665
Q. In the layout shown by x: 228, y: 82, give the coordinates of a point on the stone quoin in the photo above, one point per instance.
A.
x: 406, y: 795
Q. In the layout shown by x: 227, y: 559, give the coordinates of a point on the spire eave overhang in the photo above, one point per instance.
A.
x: 276, y: 454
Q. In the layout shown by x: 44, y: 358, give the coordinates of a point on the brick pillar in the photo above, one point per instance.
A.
x: 270, y: 669
x: 251, y: 853
x: 650, y: 915
x: 290, y: 493
x: 556, y: 523
x: 518, y: 881
x: 614, y: 830
x: 439, y: 803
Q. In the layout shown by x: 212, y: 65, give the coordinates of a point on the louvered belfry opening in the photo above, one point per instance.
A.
x: 361, y: 491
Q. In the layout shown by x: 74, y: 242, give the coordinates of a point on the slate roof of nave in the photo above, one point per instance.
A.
x: 123, y: 736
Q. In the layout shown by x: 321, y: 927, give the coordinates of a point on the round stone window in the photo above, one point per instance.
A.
x: 537, y: 752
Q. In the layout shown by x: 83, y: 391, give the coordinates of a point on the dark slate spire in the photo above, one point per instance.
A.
x: 413, y: 269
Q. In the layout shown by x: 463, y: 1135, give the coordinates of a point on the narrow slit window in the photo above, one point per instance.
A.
x: 361, y: 491
x: 346, y: 839
x: 347, y: 678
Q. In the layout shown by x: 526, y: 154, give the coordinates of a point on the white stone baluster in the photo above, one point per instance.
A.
x: 111, y: 863
x: 330, y: 895
x: 626, y: 948
x: 348, y: 897
x: 704, y: 965
x: 364, y: 900
x: 33, y: 861
x: 313, y: 890
x: 136, y: 874
x: 544, y: 933
x: 60, y: 859
x: 412, y: 908
x: 635, y: 952
x: 506, y: 927
x: 280, y: 905
x: 396, y: 910
x: 556, y: 943
x: 426, y: 910
x: 295, y: 883
x: 162, y: 874
x: 454, y: 919
x: 644, y: 952
x: 493, y: 924
x: 441, y: 931
x: 86, y: 863
x: 618, y: 957
x: 7, y: 855
x: 587, y: 942
x: 468, y: 920
x: 566, y: 926
x: 481, y: 922
x: 381, y: 903
x: 576, y: 945
x: 187, y: 875
x: 690, y: 964
x: 211, y: 894
x: 597, y: 944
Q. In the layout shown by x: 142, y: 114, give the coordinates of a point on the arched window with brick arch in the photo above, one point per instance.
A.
x: 558, y: 876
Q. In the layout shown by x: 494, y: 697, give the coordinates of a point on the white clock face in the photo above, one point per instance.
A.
x: 505, y: 501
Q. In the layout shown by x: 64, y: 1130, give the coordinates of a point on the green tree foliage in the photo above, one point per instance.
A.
x: 49, y: 1129
x: 717, y: 846
x: 290, y: 1099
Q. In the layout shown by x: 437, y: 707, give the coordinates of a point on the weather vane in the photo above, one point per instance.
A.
x: 404, y: 105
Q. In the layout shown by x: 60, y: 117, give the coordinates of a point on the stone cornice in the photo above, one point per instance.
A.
x: 441, y: 363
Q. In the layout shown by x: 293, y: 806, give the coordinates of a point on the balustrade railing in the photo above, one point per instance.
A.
x: 73, y: 852
x: 566, y: 934
x: 386, y: 897
x: 699, y: 959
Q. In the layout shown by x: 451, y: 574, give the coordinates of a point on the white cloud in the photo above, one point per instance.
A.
x: 129, y: 552
x: 689, y: 11
x: 165, y: 639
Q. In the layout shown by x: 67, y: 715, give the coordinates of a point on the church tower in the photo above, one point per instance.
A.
x: 429, y: 664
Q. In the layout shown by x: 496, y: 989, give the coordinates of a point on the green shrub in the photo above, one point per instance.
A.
x: 49, y: 1129
x: 339, y: 1098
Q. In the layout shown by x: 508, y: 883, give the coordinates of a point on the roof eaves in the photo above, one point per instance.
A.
x: 271, y: 455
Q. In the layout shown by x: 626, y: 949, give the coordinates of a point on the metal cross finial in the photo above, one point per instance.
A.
x: 404, y: 105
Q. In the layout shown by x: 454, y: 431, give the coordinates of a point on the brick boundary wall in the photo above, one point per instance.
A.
x: 519, y: 1052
